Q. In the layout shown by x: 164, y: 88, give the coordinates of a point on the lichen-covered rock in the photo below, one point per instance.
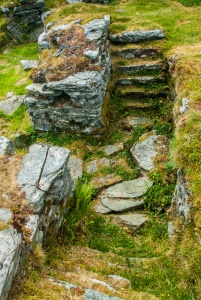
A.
x: 75, y: 166
x: 137, y: 36
x: 146, y: 150
x: 69, y: 85
x: 129, y: 189
x: 121, y: 205
x: 10, y: 248
x: 6, y: 146
x: 5, y: 215
x: 94, y: 165
x: 45, y: 176
x: 11, y: 104
x: 180, y: 206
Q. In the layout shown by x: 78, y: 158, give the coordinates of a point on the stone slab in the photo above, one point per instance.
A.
x: 94, y: 165
x: 121, y: 205
x: 5, y: 215
x: 146, y: 150
x: 101, y: 209
x: 137, y: 36
x: 110, y: 150
x: 135, y: 220
x: 105, y: 181
x: 129, y: 189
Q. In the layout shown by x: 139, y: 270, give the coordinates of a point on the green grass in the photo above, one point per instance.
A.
x: 11, y: 71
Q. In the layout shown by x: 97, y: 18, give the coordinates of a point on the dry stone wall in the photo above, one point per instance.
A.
x: 46, y: 181
x: 69, y: 86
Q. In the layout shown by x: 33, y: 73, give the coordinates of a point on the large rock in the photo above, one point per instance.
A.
x: 6, y: 146
x: 146, y: 150
x: 75, y: 166
x: 137, y: 36
x: 45, y: 176
x: 70, y: 97
x: 10, y: 248
x: 129, y: 189
x: 5, y: 215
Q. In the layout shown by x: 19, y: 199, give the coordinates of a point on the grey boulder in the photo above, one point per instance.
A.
x: 28, y: 64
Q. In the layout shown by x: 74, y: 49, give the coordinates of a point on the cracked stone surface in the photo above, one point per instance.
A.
x: 146, y: 150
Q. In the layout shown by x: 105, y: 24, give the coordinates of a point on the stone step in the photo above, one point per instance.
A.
x: 136, y: 36
x: 142, y: 53
x: 137, y: 105
x: 141, y: 80
x: 131, y: 92
x: 140, y: 68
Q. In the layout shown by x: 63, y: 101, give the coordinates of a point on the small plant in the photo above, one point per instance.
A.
x: 76, y: 220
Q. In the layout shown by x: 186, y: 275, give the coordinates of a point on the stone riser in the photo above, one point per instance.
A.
x: 140, y: 80
x: 138, y: 53
x: 140, y: 68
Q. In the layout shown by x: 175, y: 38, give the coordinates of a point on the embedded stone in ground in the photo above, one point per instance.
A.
x: 6, y: 146
x: 103, y: 283
x: 132, y: 122
x: 94, y: 165
x: 137, y: 36
x: 121, y: 205
x: 28, y: 64
x: 129, y: 189
x: 12, y: 103
x: 146, y: 149
x: 135, y: 220
x: 75, y: 166
x: 110, y: 150
x: 101, y: 209
x: 65, y: 284
x: 90, y: 294
x: 120, y: 282
x: 105, y: 181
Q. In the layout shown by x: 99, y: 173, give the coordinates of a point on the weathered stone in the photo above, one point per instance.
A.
x: 41, y: 89
x: 185, y: 106
x: 135, y: 220
x: 12, y: 104
x: 45, y: 176
x: 28, y: 64
x: 121, y: 205
x: 66, y: 284
x: 75, y: 166
x: 101, y: 209
x: 6, y: 146
x: 129, y: 189
x: 11, y: 245
x: 146, y: 150
x: 180, y: 206
x: 33, y: 226
x: 73, y: 1
x: 105, y: 181
x: 31, y: 19
x: 137, y: 36
x: 94, y: 165
x: 5, y: 215
x: 140, y: 80
x: 110, y: 150
x: 90, y: 294
x: 138, y: 53
x: 138, y: 122
x: 39, y: 3
x: 79, y: 107
x: 103, y: 283
x: 120, y: 281
x: 5, y: 11
x: 142, y: 67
